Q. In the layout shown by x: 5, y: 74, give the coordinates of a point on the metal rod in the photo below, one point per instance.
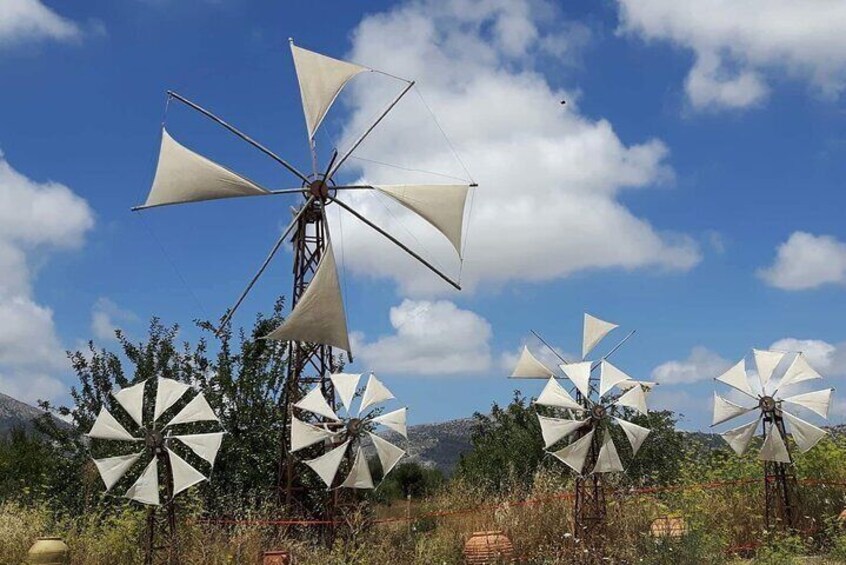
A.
x: 543, y: 341
x: 277, y: 192
x: 264, y: 265
x: 372, y: 126
x: 615, y: 348
x: 243, y: 136
x: 396, y: 242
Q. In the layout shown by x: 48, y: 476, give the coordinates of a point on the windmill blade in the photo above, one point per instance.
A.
x: 131, y: 399
x: 204, y: 445
x: 184, y: 475
x: 315, y: 403
x: 146, y: 488
x: 321, y: 79
x: 554, y: 429
x: 553, y: 394
x: 345, y: 385
x: 106, y: 427
x: 737, y: 379
x: 725, y: 410
x: 327, y: 464
x: 608, y: 461
x: 609, y: 376
x: 593, y: 331
x: 574, y: 455
x: 738, y: 438
x: 111, y: 469
x: 774, y: 449
x: 766, y: 362
x: 634, y: 398
x: 184, y: 176
x: 198, y: 410
x: 389, y: 454
x: 528, y: 367
x: 359, y: 476
x: 798, y: 371
x: 374, y: 393
x: 394, y: 420
x: 804, y: 433
x: 304, y: 435
x: 440, y: 205
x: 319, y: 315
x: 635, y: 434
x: 817, y: 401
x: 168, y: 393
x: 579, y: 375
x: 626, y: 385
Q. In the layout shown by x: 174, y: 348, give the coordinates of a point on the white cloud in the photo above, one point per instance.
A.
x: 430, y: 338
x: 702, y: 364
x: 550, y: 177
x: 35, y: 218
x: 807, y: 261
x: 105, y: 317
x: 737, y: 43
x: 24, y: 20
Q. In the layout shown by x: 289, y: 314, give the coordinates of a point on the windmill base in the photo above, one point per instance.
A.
x: 589, y: 508
x: 781, y: 496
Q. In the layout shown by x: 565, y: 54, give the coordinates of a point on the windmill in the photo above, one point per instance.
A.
x: 316, y: 327
x: 171, y: 437
x: 781, y: 500
x: 346, y: 433
x: 590, y: 450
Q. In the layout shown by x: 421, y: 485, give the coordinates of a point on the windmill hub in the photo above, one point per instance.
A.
x: 155, y: 440
x: 767, y: 404
x: 598, y: 412
x: 320, y: 188
x: 354, y: 427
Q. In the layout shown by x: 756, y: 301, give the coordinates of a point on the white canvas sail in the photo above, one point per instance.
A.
x: 798, y: 371
x: 304, y: 434
x: 817, y: 401
x: 106, y: 427
x: 316, y: 403
x: 738, y: 438
x: 327, y: 464
x: 111, y: 469
x: 766, y: 362
x: 528, y: 367
x: 359, y: 476
x: 774, y: 449
x: 345, y: 385
x: 198, y: 410
x: 553, y: 394
x: 389, y: 454
x: 593, y: 331
x: 394, y: 420
x: 608, y: 461
x: 634, y: 398
x: 185, y: 176
x: 805, y: 434
x: 579, y: 375
x: 725, y: 410
x: 609, y: 377
x: 184, y: 475
x: 131, y: 399
x: 168, y: 393
x: 440, y: 205
x: 374, y: 393
x: 555, y: 429
x: 635, y: 434
x: 736, y: 378
x: 321, y: 79
x: 204, y: 445
x: 319, y: 315
x: 574, y: 455
x: 146, y: 488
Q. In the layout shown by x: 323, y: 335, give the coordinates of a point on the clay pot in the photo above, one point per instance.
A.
x: 668, y: 527
x: 488, y: 548
x: 48, y: 551
x: 277, y: 558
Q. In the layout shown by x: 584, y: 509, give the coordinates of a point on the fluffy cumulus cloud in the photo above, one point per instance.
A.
x: 35, y: 219
x: 430, y: 338
x: 739, y: 44
x: 25, y: 20
x: 106, y: 317
x: 807, y: 261
x: 702, y: 364
x: 550, y: 177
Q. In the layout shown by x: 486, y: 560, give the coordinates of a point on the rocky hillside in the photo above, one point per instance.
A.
x: 438, y: 445
x: 16, y: 413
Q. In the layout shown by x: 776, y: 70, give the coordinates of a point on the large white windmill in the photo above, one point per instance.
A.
x: 317, y: 324
x: 346, y: 432
x: 587, y: 417
x: 769, y: 405
x: 160, y: 430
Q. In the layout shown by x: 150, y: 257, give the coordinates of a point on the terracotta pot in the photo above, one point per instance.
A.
x: 277, y: 558
x: 48, y: 551
x: 668, y: 527
x: 488, y: 548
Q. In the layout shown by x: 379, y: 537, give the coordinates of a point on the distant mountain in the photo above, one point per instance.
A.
x: 16, y: 413
x: 438, y: 446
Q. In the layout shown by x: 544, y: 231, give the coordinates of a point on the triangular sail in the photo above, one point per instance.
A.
x: 319, y: 315
x: 111, y: 469
x: 805, y: 434
x: 168, y: 393
x: 635, y: 398
x: 394, y: 420
x: 528, y: 367
x: 184, y: 475
x: 608, y: 461
x: 345, y: 385
x: 635, y: 434
x: 725, y: 410
x: 327, y: 464
x: 738, y: 438
x: 185, y: 176
x: 798, y: 371
x: 553, y: 394
x: 131, y: 399
x: 359, y: 476
x: 321, y: 79
x: 609, y: 377
x: 555, y: 429
x: 440, y: 205
x: 593, y: 331
x: 198, y: 410
x: 106, y: 427
x: 574, y: 455
x: 817, y: 401
x: 579, y: 375
x: 204, y: 445
x: 389, y: 454
x: 766, y: 362
x: 146, y: 488
x: 374, y: 393
x: 304, y: 434
x: 316, y: 403
x: 773, y: 448
x: 736, y: 378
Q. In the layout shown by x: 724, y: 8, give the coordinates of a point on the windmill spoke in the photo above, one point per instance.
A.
x: 240, y: 134
x: 396, y: 242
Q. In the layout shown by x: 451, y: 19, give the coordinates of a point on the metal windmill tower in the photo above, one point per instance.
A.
x: 592, y: 452
x: 781, y: 494
x: 316, y: 328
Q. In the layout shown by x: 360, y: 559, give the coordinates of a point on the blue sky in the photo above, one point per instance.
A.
x: 691, y: 187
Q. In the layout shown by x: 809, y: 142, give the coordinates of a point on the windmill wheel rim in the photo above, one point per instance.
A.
x: 321, y: 188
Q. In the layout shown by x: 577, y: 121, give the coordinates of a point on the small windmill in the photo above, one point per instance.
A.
x: 346, y: 433
x: 590, y: 415
x: 161, y: 430
x: 781, y: 501
x: 317, y: 324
